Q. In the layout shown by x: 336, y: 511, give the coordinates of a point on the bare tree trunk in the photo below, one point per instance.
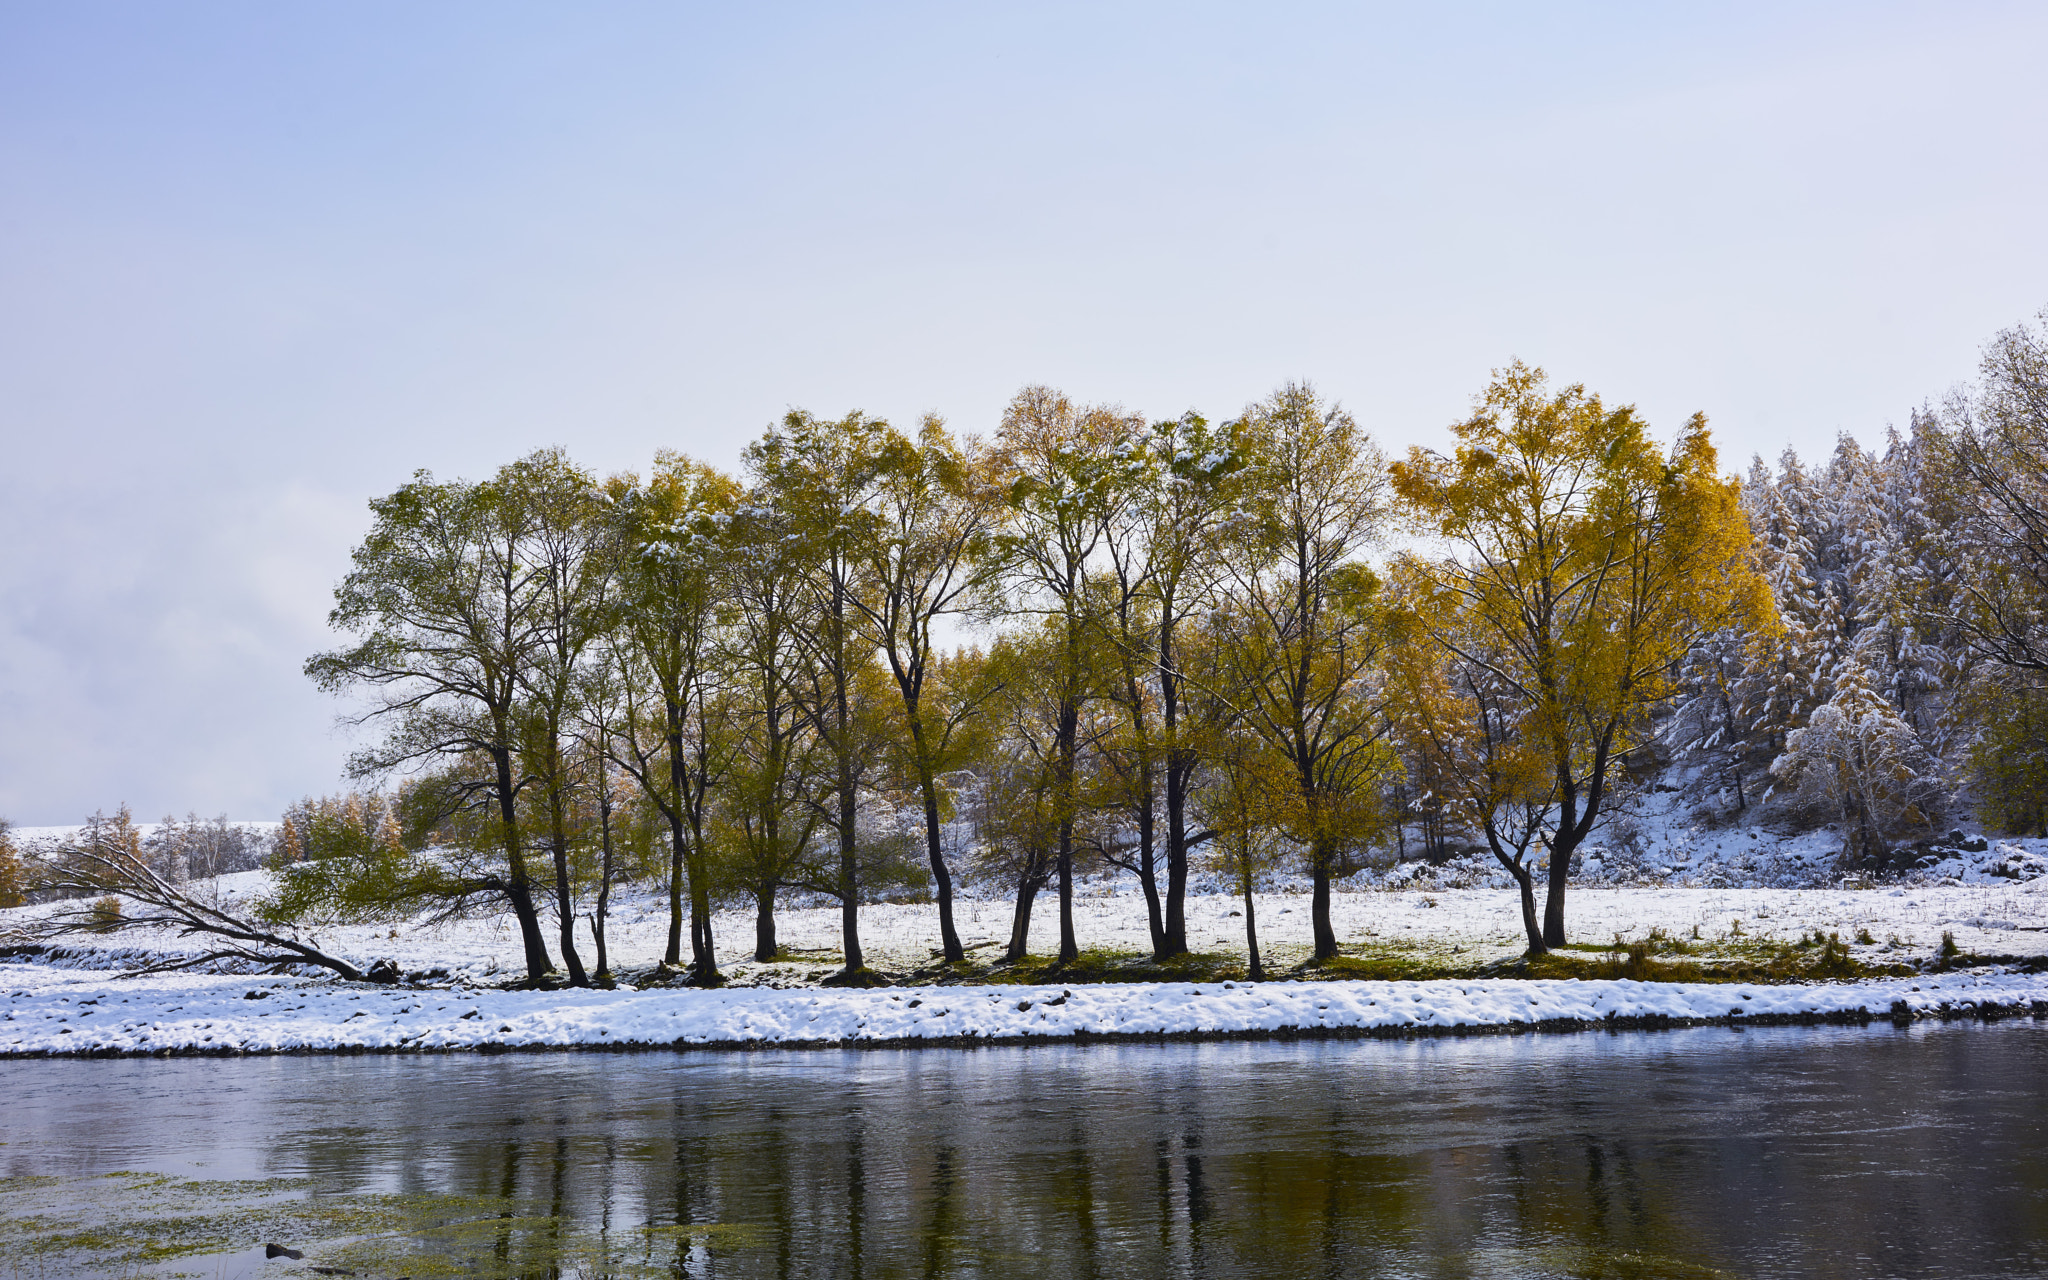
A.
x: 672, y: 956
x: 604, y: 880
x: 1526, y: 884
x: 1176, y: 860
x: 1028, y: 886
x: 849, y: 885
x: 703, y: 962
x: 1179, y: 764
x: 928, y: 790
x: 942, y: 879
x: 1319, y: 906
x: 1147, y: 873
x: 518, y: 887
x: 558, y: 849
x: 678, y: 852
x: 1566, y: 843
x: 1069, y: 733
x: 1147, y: 817
x: 565, y: 906
x: 704, y: 971
x: 764, y: 921
x: 1070, y: 950
x: 1254, y: 970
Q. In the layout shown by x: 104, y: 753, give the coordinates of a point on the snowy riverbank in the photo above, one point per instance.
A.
x: 79, y: 1005
x: 51, y: 1011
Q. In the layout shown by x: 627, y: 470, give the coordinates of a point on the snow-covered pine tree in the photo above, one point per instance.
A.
x: 1785, y: 674
x: 1746, y: 690
x: 1854, y: 564
x: 1859, y: 754
x: 1889, y: 580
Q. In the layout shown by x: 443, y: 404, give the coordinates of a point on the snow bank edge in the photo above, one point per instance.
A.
x: 1901, y: 1014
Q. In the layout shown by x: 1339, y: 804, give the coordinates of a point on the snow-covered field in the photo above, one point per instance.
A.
x: 79, y: 1004
x: 1905, y: 923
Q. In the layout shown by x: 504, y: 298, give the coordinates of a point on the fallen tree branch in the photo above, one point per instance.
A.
x: 104, y: 870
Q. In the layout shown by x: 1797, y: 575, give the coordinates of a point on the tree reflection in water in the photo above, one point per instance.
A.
x: 1810, y: 1152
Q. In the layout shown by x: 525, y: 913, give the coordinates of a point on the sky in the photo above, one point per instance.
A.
x: 260, y: 263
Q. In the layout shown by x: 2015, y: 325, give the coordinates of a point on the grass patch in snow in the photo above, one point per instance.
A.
x: 1374, y: 961
x: 1663, y: 957
x: 1660, y: 957
x: 1400, y: 961
x: 1105, y: 965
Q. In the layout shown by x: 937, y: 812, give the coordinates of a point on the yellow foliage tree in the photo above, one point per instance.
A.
x: 1580, y: 562
x: 1459, y: 726
x: 1299, y: 636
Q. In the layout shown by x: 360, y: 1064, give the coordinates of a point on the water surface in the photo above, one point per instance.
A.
x: 1767, y: 1152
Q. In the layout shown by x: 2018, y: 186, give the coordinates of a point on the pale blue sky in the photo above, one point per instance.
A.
x: 260, y: 261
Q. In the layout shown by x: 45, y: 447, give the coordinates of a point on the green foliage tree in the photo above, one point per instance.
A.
x: 1063, y: 469
x: 1991, y: 456
x: 1246, y: 809
x: 770, y: 810
x: 1460, y: 725
x: 935, y: 514
x: 573, y: 543
x: 2010, y: 755
x: 449, y: 624
x: 1195, y: 484
x: 346, y: 860
x: 1029, y: 798
x: 818, y: 476
x: 661, y: 714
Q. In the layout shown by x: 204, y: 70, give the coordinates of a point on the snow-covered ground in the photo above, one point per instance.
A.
x: 78, y: 1004
x: 59, y: 1011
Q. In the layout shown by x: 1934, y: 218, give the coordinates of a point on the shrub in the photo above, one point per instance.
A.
x: 13, y: 890
x: 106, y: 914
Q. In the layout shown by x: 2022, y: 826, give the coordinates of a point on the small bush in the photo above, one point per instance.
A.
x: 106, y: 914
x: 1633, y: 963
x: 1950, y: 953
x: 1834, y: 960
x: 13, y: 890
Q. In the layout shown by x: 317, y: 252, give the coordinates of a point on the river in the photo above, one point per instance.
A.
x: 1810, y: 1152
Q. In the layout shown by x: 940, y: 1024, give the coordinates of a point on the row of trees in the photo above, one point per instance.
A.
x: 180, y: 849
x: 1191, y: 648
x: 1257, y: 642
